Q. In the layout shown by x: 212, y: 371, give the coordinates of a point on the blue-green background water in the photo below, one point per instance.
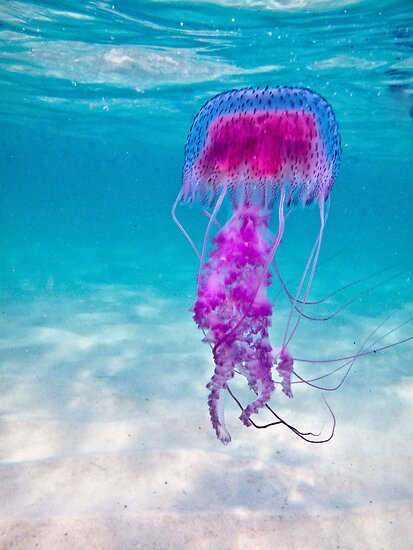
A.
x: 96, y: 101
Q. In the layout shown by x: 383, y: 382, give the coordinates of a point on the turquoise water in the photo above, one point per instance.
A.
x: 97, y: 99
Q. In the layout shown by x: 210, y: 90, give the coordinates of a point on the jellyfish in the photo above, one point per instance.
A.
x: 262, y: 151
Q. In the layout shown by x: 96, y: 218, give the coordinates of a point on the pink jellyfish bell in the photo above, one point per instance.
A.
x: 265, y: 149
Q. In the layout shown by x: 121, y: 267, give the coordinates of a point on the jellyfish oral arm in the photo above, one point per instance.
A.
x: 230, y: 282
x: 233, y: 309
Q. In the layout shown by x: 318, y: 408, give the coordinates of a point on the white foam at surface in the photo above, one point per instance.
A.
x: 280, y: 5
x: 135, y: 67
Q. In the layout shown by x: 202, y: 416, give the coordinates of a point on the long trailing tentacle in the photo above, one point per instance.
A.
x: 280, y: 420
x: 346, y: 304
x: 208, y: 215
x: 349, y: 364
x: 313, y: 261
x: 362, y: 354
x: 211, y: 221
x: 340, y: 289
x: 180, y: 226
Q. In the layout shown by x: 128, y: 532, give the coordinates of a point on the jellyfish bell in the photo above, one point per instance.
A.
x: 256, y: 142
x: 263, y: 151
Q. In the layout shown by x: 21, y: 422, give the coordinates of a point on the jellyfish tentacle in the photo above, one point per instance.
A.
x: 208, y: 215
x: 344, y: 287
x: 298, y: 291
x: 284, y: 360
x: 180, y: 226
x: 296, y: 431
x: 316, y: 249
x: 212, y: 219
x: 349, y: 364
x: 348, y: 285
x: 363, y: 353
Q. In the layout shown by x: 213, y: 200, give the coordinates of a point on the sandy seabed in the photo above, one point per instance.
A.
x: 105, y: 441
x: 357, y: 529
x: 156, y: 500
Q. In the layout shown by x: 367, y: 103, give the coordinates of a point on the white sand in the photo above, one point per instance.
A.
x: 190, y: 499
x: 105, y: 443
x: 377, y: 529
x: 194, y: 498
